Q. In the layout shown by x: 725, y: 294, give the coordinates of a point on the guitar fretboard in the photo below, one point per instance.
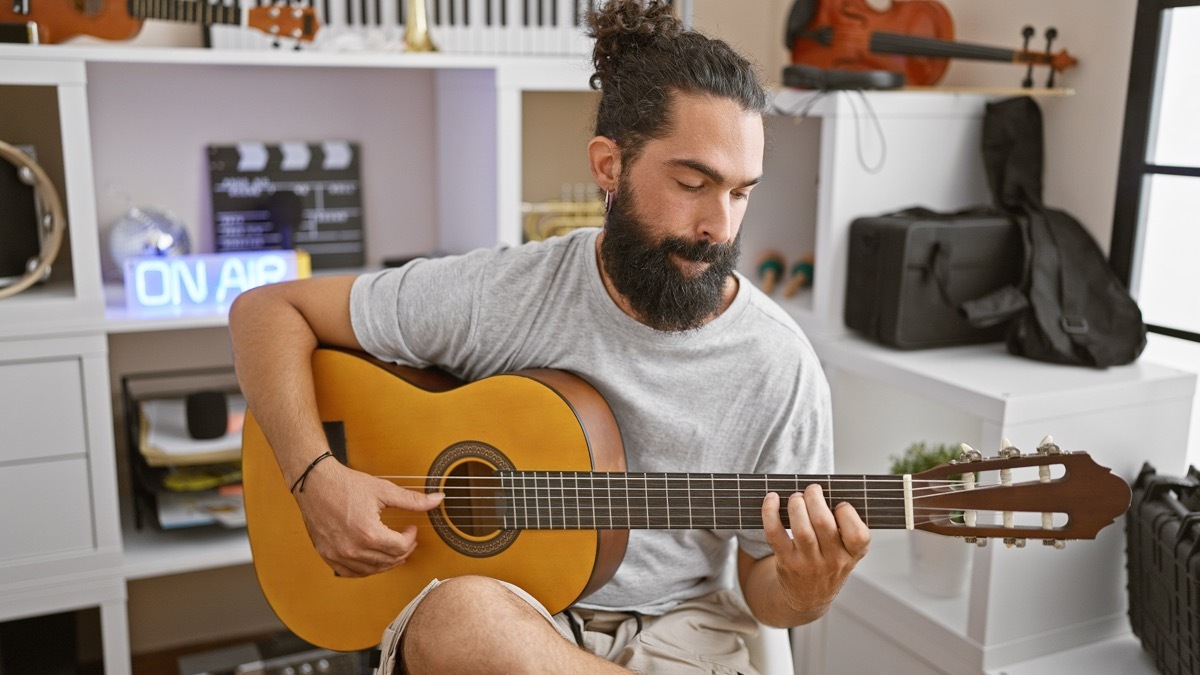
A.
x: 630, y: 501
x: 187, y: 11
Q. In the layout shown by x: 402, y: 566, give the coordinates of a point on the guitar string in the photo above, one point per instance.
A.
x: 876, y: 520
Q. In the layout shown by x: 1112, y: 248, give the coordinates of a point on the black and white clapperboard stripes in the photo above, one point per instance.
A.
x: 289, y: 195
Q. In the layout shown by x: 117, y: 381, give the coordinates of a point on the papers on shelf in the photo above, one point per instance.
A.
x: 190, y: 509
x: 164, y: 438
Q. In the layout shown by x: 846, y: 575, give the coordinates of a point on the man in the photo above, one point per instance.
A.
x: 703, y: 373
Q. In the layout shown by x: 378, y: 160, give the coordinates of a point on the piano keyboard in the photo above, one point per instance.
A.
x: 541, y: 27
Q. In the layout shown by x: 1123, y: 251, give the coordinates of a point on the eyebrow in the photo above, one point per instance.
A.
x: 713, y: 175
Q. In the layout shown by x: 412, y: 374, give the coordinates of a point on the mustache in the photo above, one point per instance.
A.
x: 698, y: 251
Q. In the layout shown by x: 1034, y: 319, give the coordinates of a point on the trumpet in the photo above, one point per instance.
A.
x: 543, y: 220
x: 416, y: 29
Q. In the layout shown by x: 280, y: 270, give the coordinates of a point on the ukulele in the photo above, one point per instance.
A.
x: 59, y: 20
x: 533, y: 470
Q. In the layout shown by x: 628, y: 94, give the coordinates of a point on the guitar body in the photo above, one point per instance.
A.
x: 60, y: 20
x: 416, y: 424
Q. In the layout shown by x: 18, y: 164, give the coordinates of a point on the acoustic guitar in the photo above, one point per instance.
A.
x: 59, y: 20
x: 533, y: 470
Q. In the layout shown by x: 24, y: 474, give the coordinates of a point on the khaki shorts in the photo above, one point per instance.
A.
x: 704, y: 635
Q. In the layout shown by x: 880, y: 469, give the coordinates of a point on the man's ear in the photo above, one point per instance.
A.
x: 604, y: 159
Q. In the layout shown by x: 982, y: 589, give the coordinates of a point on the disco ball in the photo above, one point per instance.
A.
x: 145, y: 232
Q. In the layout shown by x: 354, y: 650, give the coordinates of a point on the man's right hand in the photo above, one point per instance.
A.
x: 342, y: 510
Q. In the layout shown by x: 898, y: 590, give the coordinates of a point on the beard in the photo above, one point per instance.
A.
x: 664, y: 296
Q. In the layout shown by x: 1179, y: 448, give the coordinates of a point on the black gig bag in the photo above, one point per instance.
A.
x: 1070, y: 307
x: 1162, y: 558
x: 910, y: 272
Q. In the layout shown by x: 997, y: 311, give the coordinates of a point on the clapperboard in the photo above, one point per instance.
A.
x: 289, y: 195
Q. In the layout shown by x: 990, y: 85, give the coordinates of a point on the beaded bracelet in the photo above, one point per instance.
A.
x: 300, y: 480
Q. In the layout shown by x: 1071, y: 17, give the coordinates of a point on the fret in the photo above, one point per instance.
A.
x: 667, y: 497
x: 656, y: 500
x: 525, y: 499
x: 619, y: 516
x: 562, y: 496
x: 866, y: 502
x: 578, y: 501
x: 505, y: 495
x: 688, y: 487
x: 712, y: 492
x: 592, y: 497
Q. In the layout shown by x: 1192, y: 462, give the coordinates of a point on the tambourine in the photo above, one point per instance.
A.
x: 53, y: 219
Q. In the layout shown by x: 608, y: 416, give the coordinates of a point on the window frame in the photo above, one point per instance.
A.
x: 1133, y: 168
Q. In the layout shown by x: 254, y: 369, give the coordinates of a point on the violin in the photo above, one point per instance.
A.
x: 912, y: 37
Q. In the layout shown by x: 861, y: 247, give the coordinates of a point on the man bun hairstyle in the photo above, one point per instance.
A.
x: 643, y: 55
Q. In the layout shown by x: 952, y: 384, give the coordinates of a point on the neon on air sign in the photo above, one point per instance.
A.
x: 204, y: 281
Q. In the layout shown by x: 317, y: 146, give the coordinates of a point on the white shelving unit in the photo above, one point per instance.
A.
x: 442, y: 159
x: 117, y: 127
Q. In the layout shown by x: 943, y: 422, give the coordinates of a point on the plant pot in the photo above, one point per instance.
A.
x: 938, y: 565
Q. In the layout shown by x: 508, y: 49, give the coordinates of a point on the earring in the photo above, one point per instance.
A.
x: 608, y: 201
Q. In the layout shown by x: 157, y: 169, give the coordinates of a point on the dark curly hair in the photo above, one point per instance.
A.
x: 643, y: 55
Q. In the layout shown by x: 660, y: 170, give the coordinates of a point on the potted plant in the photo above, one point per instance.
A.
x: 938, y: 565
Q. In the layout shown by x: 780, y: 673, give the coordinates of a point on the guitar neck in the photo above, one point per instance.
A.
x: 186, y: 11
x: 540, y: 500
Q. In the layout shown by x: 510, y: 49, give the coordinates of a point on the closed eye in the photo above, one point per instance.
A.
x: 690, y: 188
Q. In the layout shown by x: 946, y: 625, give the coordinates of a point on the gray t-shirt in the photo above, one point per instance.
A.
x: 744, y: 393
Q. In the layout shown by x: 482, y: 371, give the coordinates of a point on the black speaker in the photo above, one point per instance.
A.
x: 207, y: 414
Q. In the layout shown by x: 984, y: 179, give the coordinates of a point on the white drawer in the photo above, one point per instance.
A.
x: 47, y: 509
x: 41, y: 409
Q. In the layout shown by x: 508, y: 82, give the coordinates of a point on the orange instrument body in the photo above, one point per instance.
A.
x: 852, y: 23
x: 59, y: 20
x: 914, y: 38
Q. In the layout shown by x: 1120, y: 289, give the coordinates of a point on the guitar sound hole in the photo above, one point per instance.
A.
x: 471, y: 519
x: 475, y: 503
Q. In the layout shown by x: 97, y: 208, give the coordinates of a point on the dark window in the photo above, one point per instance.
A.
x: 1156, y: 227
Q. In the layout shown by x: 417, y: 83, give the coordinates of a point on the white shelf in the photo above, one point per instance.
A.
x: 118, y: 53
x: 1121, y: 655
x: 151, y: 552
x: 988, y: 382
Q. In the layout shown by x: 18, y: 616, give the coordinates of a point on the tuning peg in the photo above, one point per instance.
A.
x: 969, y: 454
x: 981, y: 542
x: 1056, y: 543
x: 1048, y: 447
x: 1051, y: 33
x: 1008, y: 450
x: 1014, y: 541
x: 1027, y: 33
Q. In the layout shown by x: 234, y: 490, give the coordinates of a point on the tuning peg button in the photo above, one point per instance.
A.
x: 1056, y: 543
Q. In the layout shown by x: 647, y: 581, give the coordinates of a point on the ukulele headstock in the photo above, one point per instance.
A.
x: 1047, y: 494
x: 285, y: 20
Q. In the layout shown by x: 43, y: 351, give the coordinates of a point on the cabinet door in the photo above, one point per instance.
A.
x: 41, y: 410
x: 44, y: 483
x: 57, y: 484
x: 49, y: 509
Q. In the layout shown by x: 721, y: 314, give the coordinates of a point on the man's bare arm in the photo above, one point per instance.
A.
x: 275, y: 330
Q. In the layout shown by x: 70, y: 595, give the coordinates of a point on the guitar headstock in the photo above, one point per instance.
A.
x: 1047, y: 494
x: 284, y: 20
